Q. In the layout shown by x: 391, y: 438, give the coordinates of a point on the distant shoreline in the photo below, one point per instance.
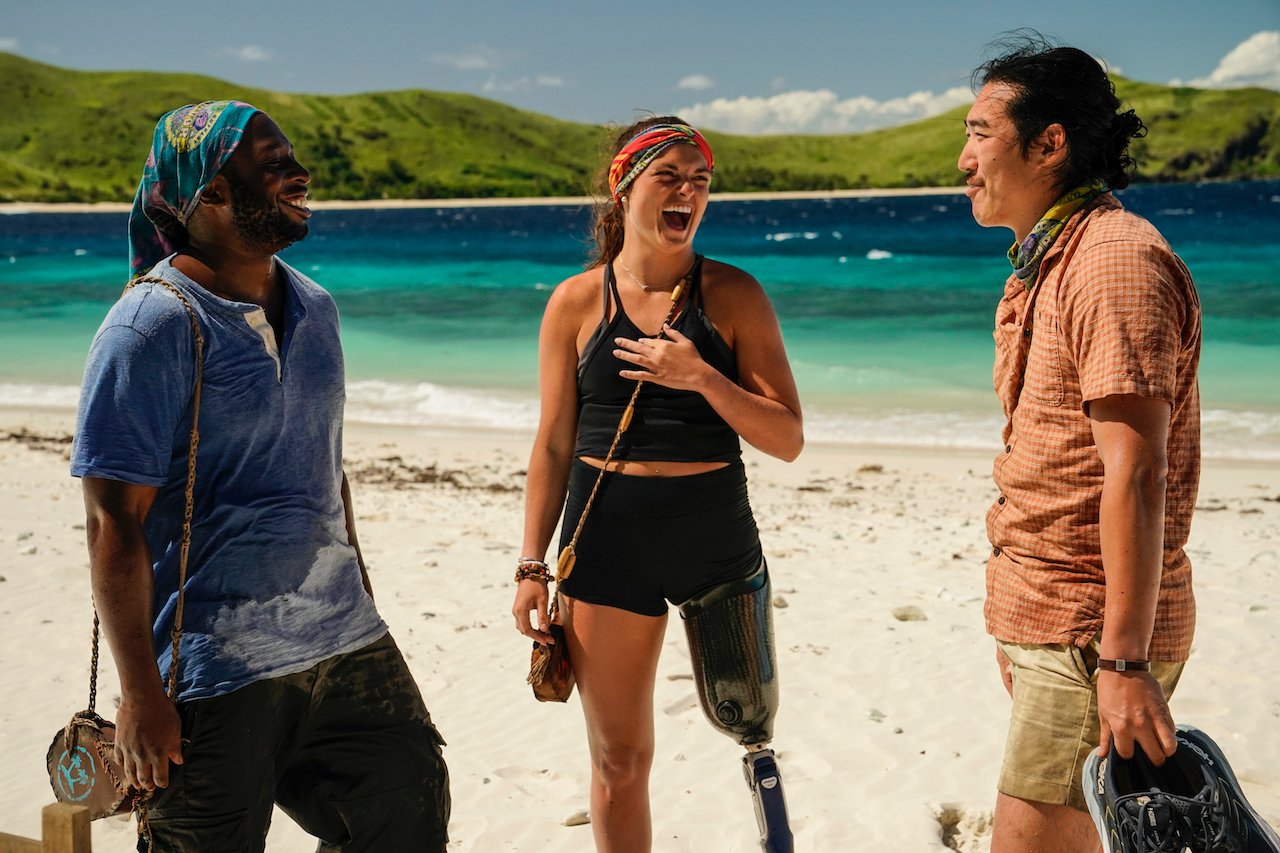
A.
x: 19, y: 207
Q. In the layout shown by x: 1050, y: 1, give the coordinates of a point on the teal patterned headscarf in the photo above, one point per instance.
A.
x: 189, y: 147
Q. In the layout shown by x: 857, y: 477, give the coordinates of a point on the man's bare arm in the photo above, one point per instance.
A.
x: 349, y: 512
x: 1131, y: 434
x: 148, y: 730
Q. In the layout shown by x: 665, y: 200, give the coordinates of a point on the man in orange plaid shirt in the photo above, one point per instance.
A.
x: 1097, y: 345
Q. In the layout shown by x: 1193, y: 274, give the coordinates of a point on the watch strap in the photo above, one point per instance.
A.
x: 1122, y: 665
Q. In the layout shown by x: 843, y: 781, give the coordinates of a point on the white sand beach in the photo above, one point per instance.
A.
x: 890, y: 731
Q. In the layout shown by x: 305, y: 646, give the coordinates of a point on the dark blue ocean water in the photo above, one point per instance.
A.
x: 886, y: 305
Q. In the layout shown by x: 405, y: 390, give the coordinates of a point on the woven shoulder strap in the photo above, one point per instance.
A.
x: 568, y: 556
x: 171, y: 687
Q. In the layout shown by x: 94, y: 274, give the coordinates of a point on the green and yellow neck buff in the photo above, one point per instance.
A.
x: 1026, y: 256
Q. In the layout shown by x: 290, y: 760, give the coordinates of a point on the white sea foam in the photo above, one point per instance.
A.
x: 879, y: 255
x: 429, y: 404
x: 782, y: 236
x: 1234, y: 434
x: 903, y: 428
x: 1226, y: 433
x: 39, y: 396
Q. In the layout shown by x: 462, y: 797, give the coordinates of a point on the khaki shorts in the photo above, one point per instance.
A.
x: 1054, y: 725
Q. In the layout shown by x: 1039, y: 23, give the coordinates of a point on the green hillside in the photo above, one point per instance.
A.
x: 82, y: 135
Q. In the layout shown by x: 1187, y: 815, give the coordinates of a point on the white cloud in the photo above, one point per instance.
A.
x: 523, y: 83
x: 1253, y: 62
x: 696, y: 81
x: 478, y: 58
x: 465, y: 61
x: 819, y: 111
x: 249, y: 53
x: 8, y: 44
x: 1111, y: 68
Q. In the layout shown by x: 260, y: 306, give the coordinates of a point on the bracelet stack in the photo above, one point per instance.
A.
x: 529, y: 568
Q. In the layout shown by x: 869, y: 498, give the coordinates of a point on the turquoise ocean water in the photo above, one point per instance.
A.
x: 886, y: 305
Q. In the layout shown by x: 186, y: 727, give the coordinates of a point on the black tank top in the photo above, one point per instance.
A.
x: 668, y: 425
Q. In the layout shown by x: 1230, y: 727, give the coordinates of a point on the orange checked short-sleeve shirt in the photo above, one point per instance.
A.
x: 1114, y: 312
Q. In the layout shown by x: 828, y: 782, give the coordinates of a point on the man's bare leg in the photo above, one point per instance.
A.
x: 1022, y: 826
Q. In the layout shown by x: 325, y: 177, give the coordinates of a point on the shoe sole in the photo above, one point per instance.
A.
x: 1092, y: 799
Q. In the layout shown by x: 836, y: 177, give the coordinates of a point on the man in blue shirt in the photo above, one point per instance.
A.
x: 290, y: 690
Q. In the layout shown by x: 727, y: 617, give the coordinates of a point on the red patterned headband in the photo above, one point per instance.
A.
x: 644, y: 148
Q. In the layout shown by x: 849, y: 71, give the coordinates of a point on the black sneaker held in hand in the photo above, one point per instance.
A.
x: 1193, y: 802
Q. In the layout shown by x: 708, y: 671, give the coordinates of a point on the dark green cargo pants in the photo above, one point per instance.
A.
x: 346, y: 748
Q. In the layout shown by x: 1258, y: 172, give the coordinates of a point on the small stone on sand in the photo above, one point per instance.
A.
x: 909, y: 613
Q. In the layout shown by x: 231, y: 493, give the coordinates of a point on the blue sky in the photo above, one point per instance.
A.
x: 743, y: 65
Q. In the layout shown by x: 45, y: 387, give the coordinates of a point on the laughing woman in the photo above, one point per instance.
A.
x: 671, y: 518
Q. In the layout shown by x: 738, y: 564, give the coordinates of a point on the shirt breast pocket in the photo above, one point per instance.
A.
x: 1044, y: 382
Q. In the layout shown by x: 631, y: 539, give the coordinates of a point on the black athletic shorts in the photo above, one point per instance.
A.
x: 650, y: 540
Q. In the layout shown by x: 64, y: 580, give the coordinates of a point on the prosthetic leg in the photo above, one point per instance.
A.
x: 730, y: 630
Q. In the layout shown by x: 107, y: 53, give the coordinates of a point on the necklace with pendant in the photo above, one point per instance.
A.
x: 648, y: 288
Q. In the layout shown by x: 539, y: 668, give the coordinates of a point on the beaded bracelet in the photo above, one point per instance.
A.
x: 527, y: 567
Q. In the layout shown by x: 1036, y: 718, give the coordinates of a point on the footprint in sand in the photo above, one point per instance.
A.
x: 802, y: 766
x: 536, y: 783
x: 682, y: 705
x: 964, y: 828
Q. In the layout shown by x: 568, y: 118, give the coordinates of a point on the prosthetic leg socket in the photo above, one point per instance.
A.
x: 730, y: 631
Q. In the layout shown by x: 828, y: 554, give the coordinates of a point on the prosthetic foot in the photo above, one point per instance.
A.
x: 730, y: 631
x: 761, y: 770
